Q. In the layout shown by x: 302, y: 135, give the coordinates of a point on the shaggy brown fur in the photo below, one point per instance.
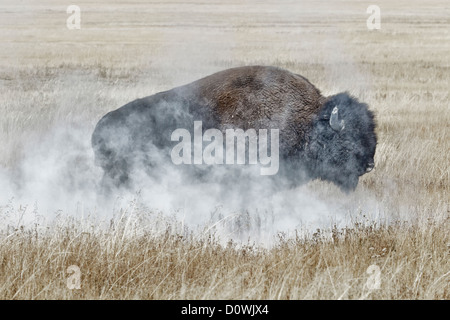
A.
x: 261, y: 97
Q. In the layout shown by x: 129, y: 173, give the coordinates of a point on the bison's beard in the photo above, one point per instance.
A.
x: 347, y: 183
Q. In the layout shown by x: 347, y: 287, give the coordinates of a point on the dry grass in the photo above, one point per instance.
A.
x: 53, y: 76
x: 125, y: 262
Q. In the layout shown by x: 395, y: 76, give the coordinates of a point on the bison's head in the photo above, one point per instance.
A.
x: 342, y: 141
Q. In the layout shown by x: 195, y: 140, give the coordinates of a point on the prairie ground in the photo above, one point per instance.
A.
x: 56, y: 83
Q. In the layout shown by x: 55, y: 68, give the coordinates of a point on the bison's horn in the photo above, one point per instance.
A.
x: 335, y: 124
x: 370, y: 166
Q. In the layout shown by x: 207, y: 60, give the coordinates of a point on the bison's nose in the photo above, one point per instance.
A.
x: 370, y: 166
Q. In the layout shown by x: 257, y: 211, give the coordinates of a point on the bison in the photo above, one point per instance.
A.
x: 330, y: 138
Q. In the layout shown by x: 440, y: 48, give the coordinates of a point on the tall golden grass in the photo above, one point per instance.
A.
x: 50, y: 76
x: 123, y: 262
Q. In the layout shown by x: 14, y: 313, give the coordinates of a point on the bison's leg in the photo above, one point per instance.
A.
x: 116, y: 175
x: 115, y: 166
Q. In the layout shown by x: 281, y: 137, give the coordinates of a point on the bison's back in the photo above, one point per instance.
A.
x: 258, y: 97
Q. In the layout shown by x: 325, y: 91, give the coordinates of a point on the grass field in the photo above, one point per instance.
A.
x: 56, y: 83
